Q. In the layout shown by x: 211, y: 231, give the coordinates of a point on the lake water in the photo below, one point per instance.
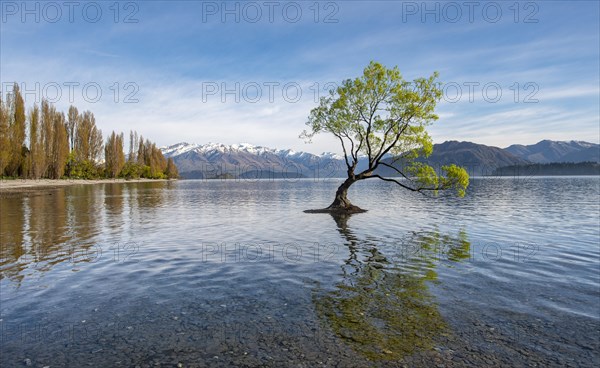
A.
x: 233, y: 273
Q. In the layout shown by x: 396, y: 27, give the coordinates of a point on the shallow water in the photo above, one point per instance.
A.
x: 219, y: 273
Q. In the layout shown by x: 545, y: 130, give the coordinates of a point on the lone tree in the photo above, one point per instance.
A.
x: 382, y: 118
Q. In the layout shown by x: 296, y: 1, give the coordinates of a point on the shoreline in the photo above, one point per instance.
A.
x: 26, y: 187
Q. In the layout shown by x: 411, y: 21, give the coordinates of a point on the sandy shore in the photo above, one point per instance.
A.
x: 24, y: 187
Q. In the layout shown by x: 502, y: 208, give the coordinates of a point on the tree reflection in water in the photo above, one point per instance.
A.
x: 73, y: 226
x: 383, y: 307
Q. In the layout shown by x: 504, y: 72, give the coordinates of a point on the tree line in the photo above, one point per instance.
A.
x: 45, y: 143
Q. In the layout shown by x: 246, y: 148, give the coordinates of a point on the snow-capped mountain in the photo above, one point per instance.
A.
x: 247, y: 160
x: 211, y: 148
x: 547, y: 151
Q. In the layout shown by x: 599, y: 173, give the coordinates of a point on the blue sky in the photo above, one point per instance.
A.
x: 173, y: 63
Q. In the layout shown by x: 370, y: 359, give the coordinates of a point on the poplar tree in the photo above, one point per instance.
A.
x: 16, y: 131
x: 36, y: 149
x: 73, y: 118
x: 4, y: 137
x: 60, y: 146
x: 47, y: 136
x: 171, y: 171
x: 114, y: 158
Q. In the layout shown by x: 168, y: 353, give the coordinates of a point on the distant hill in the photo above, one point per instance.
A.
x: 590, y: 154
x: 247, y: 161
x: 478, y: 159
x: 547, y: 151
x: 555, y: 168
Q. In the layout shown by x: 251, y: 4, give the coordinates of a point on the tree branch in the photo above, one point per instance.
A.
x: 398, y: 135
x: 385, y: 137
x: 362, y: 140
x: 395, y: 169
x: 418, y: 190
x: 344, y: 149
x: 368, y: 122
x: 393, y: 181
x: 351, y: 146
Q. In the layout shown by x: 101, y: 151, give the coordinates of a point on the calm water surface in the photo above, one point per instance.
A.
x: 233, y: 273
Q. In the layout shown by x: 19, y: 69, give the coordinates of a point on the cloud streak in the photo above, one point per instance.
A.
x: 171, y: 55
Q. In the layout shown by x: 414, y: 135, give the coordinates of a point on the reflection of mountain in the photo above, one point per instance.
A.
x: 383, y: 307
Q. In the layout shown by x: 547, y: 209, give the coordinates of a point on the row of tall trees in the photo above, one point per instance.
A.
x: 44, y: 143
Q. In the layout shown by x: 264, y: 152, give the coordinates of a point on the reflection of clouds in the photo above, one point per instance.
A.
x: 383, y: 307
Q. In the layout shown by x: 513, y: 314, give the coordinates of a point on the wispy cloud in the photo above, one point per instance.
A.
x: 170, y: 55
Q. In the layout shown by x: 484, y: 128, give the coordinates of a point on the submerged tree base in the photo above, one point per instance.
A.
x: 338, y: 210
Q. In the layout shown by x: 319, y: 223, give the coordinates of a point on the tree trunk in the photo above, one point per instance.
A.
x: 341, y: 201
x: 341, y: 206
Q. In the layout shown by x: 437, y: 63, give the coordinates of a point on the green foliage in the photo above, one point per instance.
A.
x: 146, y: 171
x: 132, y: 170
x: 155, y: 173
x: 456, y: 178
x: 425, y: 175
x: 453, y: 177
x: 379, y: 114
x: 81, y: 169
x: 378, y: 110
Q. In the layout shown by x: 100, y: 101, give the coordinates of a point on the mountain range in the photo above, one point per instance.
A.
x: 245, y: 160
x: 214, y: 160
x: 547, y: 151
